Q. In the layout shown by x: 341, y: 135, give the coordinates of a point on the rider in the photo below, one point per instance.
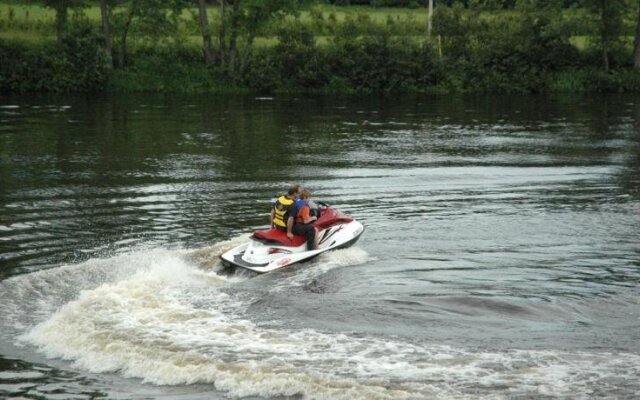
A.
x: 304, y: 218
x: 283, y: 211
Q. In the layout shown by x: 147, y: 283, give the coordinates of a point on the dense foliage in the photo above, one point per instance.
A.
x: 517, y: 46
x: 78, y: 64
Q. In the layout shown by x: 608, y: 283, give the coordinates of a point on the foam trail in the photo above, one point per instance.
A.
x: 208, y: 258
x: 325, y: 262
x: 166, y: 325
x: 346, y: 257
x: 28, y: 299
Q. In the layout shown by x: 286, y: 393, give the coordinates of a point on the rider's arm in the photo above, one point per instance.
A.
x: 290, y: 227
x: 306, y: 215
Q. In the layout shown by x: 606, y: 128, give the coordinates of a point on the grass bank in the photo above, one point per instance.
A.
x: 322, y: 49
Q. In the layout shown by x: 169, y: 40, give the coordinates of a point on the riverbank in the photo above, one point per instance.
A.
x: 318, y: 51
x: 373, y: 65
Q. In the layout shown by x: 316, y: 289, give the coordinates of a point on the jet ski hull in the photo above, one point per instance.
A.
x: 261, y: 256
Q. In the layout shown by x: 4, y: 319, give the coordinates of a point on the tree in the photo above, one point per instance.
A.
x: 429, y: 18
x: 153, y: 20
x: 106, y: 27
x: 609, y: 13
x: 61, y: 8
x: 233, y: 40
x: 607, y: 29
x: 246, y: 19
x: 222, y: 33
x: 636, y: 42
x: 128, y: 19
x: 209, y: 56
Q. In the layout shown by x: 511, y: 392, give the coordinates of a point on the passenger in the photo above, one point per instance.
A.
x: 304, y: 219
x: 283, y: 211
x: 314, y: 209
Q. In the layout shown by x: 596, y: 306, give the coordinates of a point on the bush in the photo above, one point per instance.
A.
x: 169, y: 69
x: 263, y: 72
x: 83, y: 49
x: 300, y: 64
x: 513, y: 53
x: 79, y: 65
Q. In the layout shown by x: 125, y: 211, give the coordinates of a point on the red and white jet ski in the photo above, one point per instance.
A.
x: 271, y: 249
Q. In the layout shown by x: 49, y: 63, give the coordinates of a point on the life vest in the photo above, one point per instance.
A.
x: 300, y: 204
x: 281, y: 211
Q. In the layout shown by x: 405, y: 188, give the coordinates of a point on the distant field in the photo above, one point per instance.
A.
x: 23, y: 13
x: 376, y: 14
x: 31, y: 37
x: 35, y: 23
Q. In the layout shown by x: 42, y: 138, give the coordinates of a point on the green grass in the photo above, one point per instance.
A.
x: 580, y: 42
x: 30, y: 12
x: 23, y: 12
x: 379, y: 15
x: 35, y: 23
x: 27, y: 37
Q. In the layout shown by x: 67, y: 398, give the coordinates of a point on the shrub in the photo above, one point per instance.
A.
x: 263, y: 72
x: 79, y: 65
x: 299, y: 62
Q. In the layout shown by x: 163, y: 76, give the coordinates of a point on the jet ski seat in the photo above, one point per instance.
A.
x: 278, y: 236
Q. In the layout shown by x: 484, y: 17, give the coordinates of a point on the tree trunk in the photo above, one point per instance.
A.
x: 246, y: 54
x: 636, y: 44
x: 209, y: 57
x: 429, y: 19
x: 233, y: 40
x: 222, y: 34
x: 605, y: 21
x: 106, y: 28
x: 605, y: 55
x: 125, y: 32
x: 61, y: 21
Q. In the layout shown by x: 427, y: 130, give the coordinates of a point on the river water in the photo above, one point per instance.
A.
x: 501, y: 257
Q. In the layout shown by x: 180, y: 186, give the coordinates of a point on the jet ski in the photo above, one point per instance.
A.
x: 271, y: 249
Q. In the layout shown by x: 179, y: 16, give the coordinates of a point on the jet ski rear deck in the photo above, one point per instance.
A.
x: 271, y: 249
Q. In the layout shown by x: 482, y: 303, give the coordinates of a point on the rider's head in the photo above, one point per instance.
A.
x: 295, y: 190
x: 305, y: 195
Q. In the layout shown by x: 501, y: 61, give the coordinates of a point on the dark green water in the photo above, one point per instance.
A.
x: 501, y: 257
